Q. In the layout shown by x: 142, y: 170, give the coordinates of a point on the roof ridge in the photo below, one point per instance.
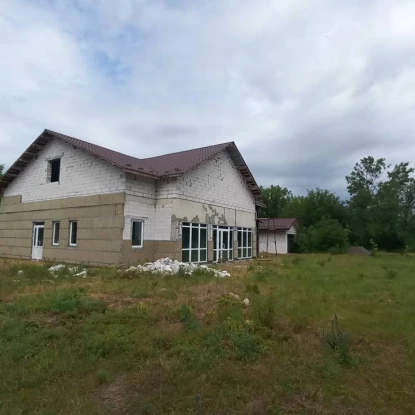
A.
x: 227, y: 143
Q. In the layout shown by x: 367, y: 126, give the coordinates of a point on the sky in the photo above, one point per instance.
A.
x: 304, y: 88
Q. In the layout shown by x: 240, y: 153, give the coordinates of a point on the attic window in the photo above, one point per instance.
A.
x: 54, y: 170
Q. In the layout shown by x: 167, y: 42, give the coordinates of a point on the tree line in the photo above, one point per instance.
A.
x: 379, y: 213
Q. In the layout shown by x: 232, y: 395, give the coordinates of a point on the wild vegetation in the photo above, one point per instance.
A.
x: 380, y: 211
x: 322, y: 335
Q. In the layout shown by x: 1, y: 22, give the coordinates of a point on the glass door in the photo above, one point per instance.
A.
x: 222, y: 244
x: 38, y: 239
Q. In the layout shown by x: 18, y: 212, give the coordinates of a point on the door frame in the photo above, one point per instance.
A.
x: 35, y: 233
x: 220, y: 231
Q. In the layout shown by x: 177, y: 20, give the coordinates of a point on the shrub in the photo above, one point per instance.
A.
x: 326, y: 235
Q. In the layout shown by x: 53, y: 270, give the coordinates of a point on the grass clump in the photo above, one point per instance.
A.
x: 339, y: 342
x: 264, y: 310
x: 188, y: 318
x: 71, y: 300
x: 391, y: 274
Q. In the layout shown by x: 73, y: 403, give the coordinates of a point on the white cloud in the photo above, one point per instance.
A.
x: 304, y: 89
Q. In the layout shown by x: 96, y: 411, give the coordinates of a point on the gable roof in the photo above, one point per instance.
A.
x: 168, y: 165
x: 276, y: 224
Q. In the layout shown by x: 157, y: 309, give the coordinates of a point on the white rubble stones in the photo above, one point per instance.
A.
x: 167, y: 266
x: 56, y: 268
x: 82, y: 274
x: 75, y: 271
x: 246, y: 302
x: 235, y: 296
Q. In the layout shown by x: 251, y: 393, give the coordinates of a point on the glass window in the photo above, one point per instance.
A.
x: 73, y: 233
x: 186, y: 238
x: 244, y: 242
x: 194, y: 242
x: 137, y: 234
x: 56, y: 227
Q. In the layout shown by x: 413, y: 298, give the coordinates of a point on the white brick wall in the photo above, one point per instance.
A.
x: 217, y: 181
x: 81, y: 175
x: 141, y: 186
x: 141, y: 203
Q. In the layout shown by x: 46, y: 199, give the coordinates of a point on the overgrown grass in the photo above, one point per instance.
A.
x: 323, y: 334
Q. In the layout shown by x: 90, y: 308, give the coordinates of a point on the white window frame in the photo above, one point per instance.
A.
x: 54, y: 233
x: 142, y: 233
x: 244, y: 237
x: 70, y: 233
x: 198, y: 226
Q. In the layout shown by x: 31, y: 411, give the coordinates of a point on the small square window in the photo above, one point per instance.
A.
x: 73, y: 233
x: 54, y: 170
x: 55, y: 233
x: 137, y: 234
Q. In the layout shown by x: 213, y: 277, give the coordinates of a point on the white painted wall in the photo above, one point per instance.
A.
x: 81, y: 175
x: 269, y: 241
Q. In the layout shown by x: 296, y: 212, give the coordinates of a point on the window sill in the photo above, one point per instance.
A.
x: 137, y: 247
x: 55, y: 245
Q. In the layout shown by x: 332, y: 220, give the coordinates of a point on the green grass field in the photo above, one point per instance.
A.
x: 114, y: 344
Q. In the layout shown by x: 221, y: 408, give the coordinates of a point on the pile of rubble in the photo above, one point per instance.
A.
x: 167, y: 266
x: 75, y: 271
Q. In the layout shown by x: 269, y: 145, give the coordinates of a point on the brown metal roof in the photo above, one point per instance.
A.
x: 184, y: 161
x: 167, y: 165
x: 276, y: 224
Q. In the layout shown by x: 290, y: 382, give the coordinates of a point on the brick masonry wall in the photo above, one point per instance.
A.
x: 81, y: 175
x: 141, y: 204
x: 217, y: 182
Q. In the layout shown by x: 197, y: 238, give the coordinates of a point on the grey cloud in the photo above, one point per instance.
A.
x: 304, y: 89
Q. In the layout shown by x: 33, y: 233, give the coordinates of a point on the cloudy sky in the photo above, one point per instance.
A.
x: 304, y: 88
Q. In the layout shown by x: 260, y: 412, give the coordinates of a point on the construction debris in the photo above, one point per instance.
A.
x: 167, y: 266
x: 246, y: 302
x: 75, y: 271
x: 56, y: 268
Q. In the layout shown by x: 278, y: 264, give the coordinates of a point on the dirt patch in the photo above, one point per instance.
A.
x: 358, y: 250
x: 203, y: 298
x: 112, y: 398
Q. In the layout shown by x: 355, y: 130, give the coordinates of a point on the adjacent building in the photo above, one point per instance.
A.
x: 277, y: 235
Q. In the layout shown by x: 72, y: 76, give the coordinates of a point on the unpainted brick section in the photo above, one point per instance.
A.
x: 81, y: 174
x: 217, y: 181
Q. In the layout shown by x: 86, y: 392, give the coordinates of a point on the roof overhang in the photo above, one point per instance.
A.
x: 243, y: 168
x: 20, y: 164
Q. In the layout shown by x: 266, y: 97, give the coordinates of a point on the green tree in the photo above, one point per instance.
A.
x: 316, y: 205
x: 1, y: 170
x: 323, y: 236
x: 275, y: 198
x: 382, y: 204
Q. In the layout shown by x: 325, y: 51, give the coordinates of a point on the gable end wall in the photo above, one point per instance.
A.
x: 81, y: 175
